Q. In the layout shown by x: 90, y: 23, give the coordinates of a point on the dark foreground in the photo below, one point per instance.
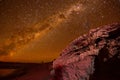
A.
x: 26, y: 71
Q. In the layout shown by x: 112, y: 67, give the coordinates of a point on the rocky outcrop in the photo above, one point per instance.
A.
x: 84, y: 58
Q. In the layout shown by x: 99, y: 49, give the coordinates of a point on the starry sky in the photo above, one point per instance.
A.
x: 38, y: 30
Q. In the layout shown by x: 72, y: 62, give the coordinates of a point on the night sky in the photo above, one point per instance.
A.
x: 38, y: 30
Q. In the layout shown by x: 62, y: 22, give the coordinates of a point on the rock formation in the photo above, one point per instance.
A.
x: 90, y: 55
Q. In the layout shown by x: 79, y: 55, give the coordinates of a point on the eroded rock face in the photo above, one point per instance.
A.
x: 78, y: 61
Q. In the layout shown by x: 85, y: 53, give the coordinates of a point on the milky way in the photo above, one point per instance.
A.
x: 39, y: 26
x: 23, y: 36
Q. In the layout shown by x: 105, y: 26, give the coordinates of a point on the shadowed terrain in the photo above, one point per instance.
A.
x: 26, y: 71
